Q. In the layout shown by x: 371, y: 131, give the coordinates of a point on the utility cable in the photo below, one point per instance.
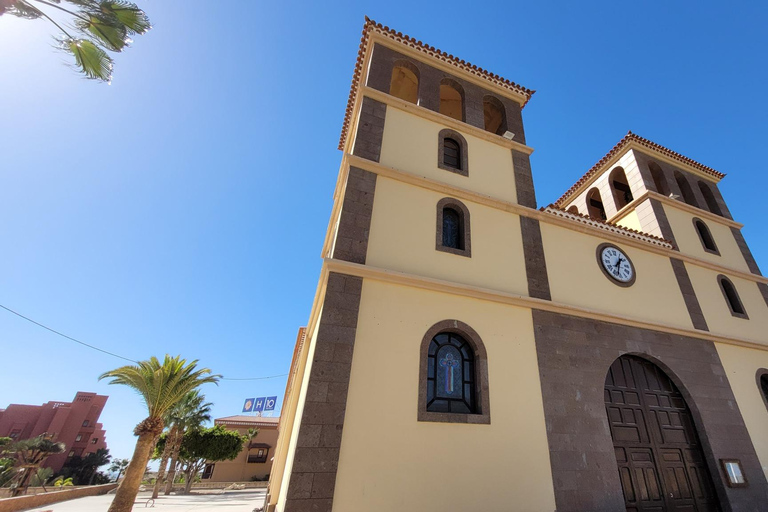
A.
x: 108, y: 352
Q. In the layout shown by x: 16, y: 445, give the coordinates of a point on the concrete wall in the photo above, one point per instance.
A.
x: 40, y: 500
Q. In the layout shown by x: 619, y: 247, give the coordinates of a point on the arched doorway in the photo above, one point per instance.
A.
x: 660, y: 458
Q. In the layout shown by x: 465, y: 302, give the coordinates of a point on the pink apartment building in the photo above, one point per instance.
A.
x: 75, y: 423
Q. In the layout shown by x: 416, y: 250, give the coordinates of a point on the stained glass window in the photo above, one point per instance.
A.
x: 452, y: 229
x: 450, y: 375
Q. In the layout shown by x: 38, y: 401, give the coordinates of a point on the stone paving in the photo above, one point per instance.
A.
x: 202, y: 501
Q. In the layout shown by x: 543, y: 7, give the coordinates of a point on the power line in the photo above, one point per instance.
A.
x: 107, y: 351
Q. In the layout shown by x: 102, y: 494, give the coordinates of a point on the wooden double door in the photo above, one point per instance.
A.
x: 660, y: 459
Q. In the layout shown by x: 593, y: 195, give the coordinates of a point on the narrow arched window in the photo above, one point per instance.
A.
x: 452, y: 99
x: 709, y: 197
x: 622, y: 194
x: 685, y: 189
x: 453, y: 375
x: 453, y: 227
x: 732, y: 297
x: 707, y: 241
x: 595, y: 205
x: 659, y: 180
x: 405, y: 82
x: 573, y: 209
x: 762, y: 382
x: 494, y: 115
x: 452, y: 152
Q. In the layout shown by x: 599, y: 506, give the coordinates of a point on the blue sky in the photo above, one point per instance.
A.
x: 182, y: 208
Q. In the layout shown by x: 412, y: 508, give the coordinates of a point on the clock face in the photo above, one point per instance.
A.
x: 616, y: 264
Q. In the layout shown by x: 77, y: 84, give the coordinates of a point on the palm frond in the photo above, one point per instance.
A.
x: 24, y: 9
x: 128, y: 14
x: 93, y: 61
x: 107, y: 31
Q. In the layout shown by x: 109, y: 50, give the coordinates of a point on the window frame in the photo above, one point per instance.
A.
x: 696, y: 222
x: 720, y: 279
x: 450, y: 202
x: 762, y: 372
x: 481, y: 383
x: 463, y: 159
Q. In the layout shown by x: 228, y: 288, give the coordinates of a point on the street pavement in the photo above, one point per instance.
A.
x: 213, y: 501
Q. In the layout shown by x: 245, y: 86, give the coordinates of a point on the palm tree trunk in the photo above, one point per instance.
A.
x: 164, y: 461
x: 174, y: 462
x: 190, y: 475
x: 21, y: 489
x: 129, y: 488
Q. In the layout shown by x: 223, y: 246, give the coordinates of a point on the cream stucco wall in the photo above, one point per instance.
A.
x: 391, y: 461
x: 410, y: 144
x: 631, y: 221
x: 715, y: 308
x: 741, y: 366
x: 576, y: 278
x: 403, y: 234
x: 688, y: 240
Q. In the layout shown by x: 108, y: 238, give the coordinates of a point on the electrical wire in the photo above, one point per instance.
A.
x: 112, y: 353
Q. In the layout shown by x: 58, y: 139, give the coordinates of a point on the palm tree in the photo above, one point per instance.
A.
x: 29, y: 455
x: 161, y: 386
x: 190, y: 413
x: 94, y: 461
x: 99, y: 27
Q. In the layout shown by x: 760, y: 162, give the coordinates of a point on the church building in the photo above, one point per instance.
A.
x: 468, y: 350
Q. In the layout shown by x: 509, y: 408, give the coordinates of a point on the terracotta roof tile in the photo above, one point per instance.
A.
x: 615, y: 228
x: 631, y: 137
x: 371, y: 26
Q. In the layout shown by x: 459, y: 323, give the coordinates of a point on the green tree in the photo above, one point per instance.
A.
x: 41, y: 477
x: 83, y: 469
x: 161, y: 386
x: 207, y: 445
x: 94, y: 27
x: 119, y: 465
x: 29, y: 454
x: 190, y: 413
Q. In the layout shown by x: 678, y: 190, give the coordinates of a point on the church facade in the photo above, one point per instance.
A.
x: 468, y: 350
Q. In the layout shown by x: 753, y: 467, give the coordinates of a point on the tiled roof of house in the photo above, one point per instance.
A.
x: 631, y: 137
x: 371, y: 26
x: 614, y: 228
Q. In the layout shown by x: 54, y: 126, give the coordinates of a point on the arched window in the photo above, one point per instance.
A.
x: 405, y: 82
x: 453, y: 227
x: 622, y: 194
x: 707, y: 241
x: 495, y: 115
x: 452, y: 152
x: 595, y: 207
x: 709, y: 197
x: 573, y: 209
x: 659, y: 180
x: 732, y: 297
x: 453, y: 376
x: 685, y: 189
x: 451, y: 99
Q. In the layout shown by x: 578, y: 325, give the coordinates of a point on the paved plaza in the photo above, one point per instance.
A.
x: 219, y: 501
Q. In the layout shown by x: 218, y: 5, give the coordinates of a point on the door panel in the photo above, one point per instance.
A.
x: 661, y: 463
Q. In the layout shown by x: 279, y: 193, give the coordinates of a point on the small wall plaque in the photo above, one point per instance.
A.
x: 734, y: 474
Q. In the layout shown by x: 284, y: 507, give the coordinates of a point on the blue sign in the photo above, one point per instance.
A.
x: 269, y: 405
x: 258, y: 406
x: 248, y: 405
